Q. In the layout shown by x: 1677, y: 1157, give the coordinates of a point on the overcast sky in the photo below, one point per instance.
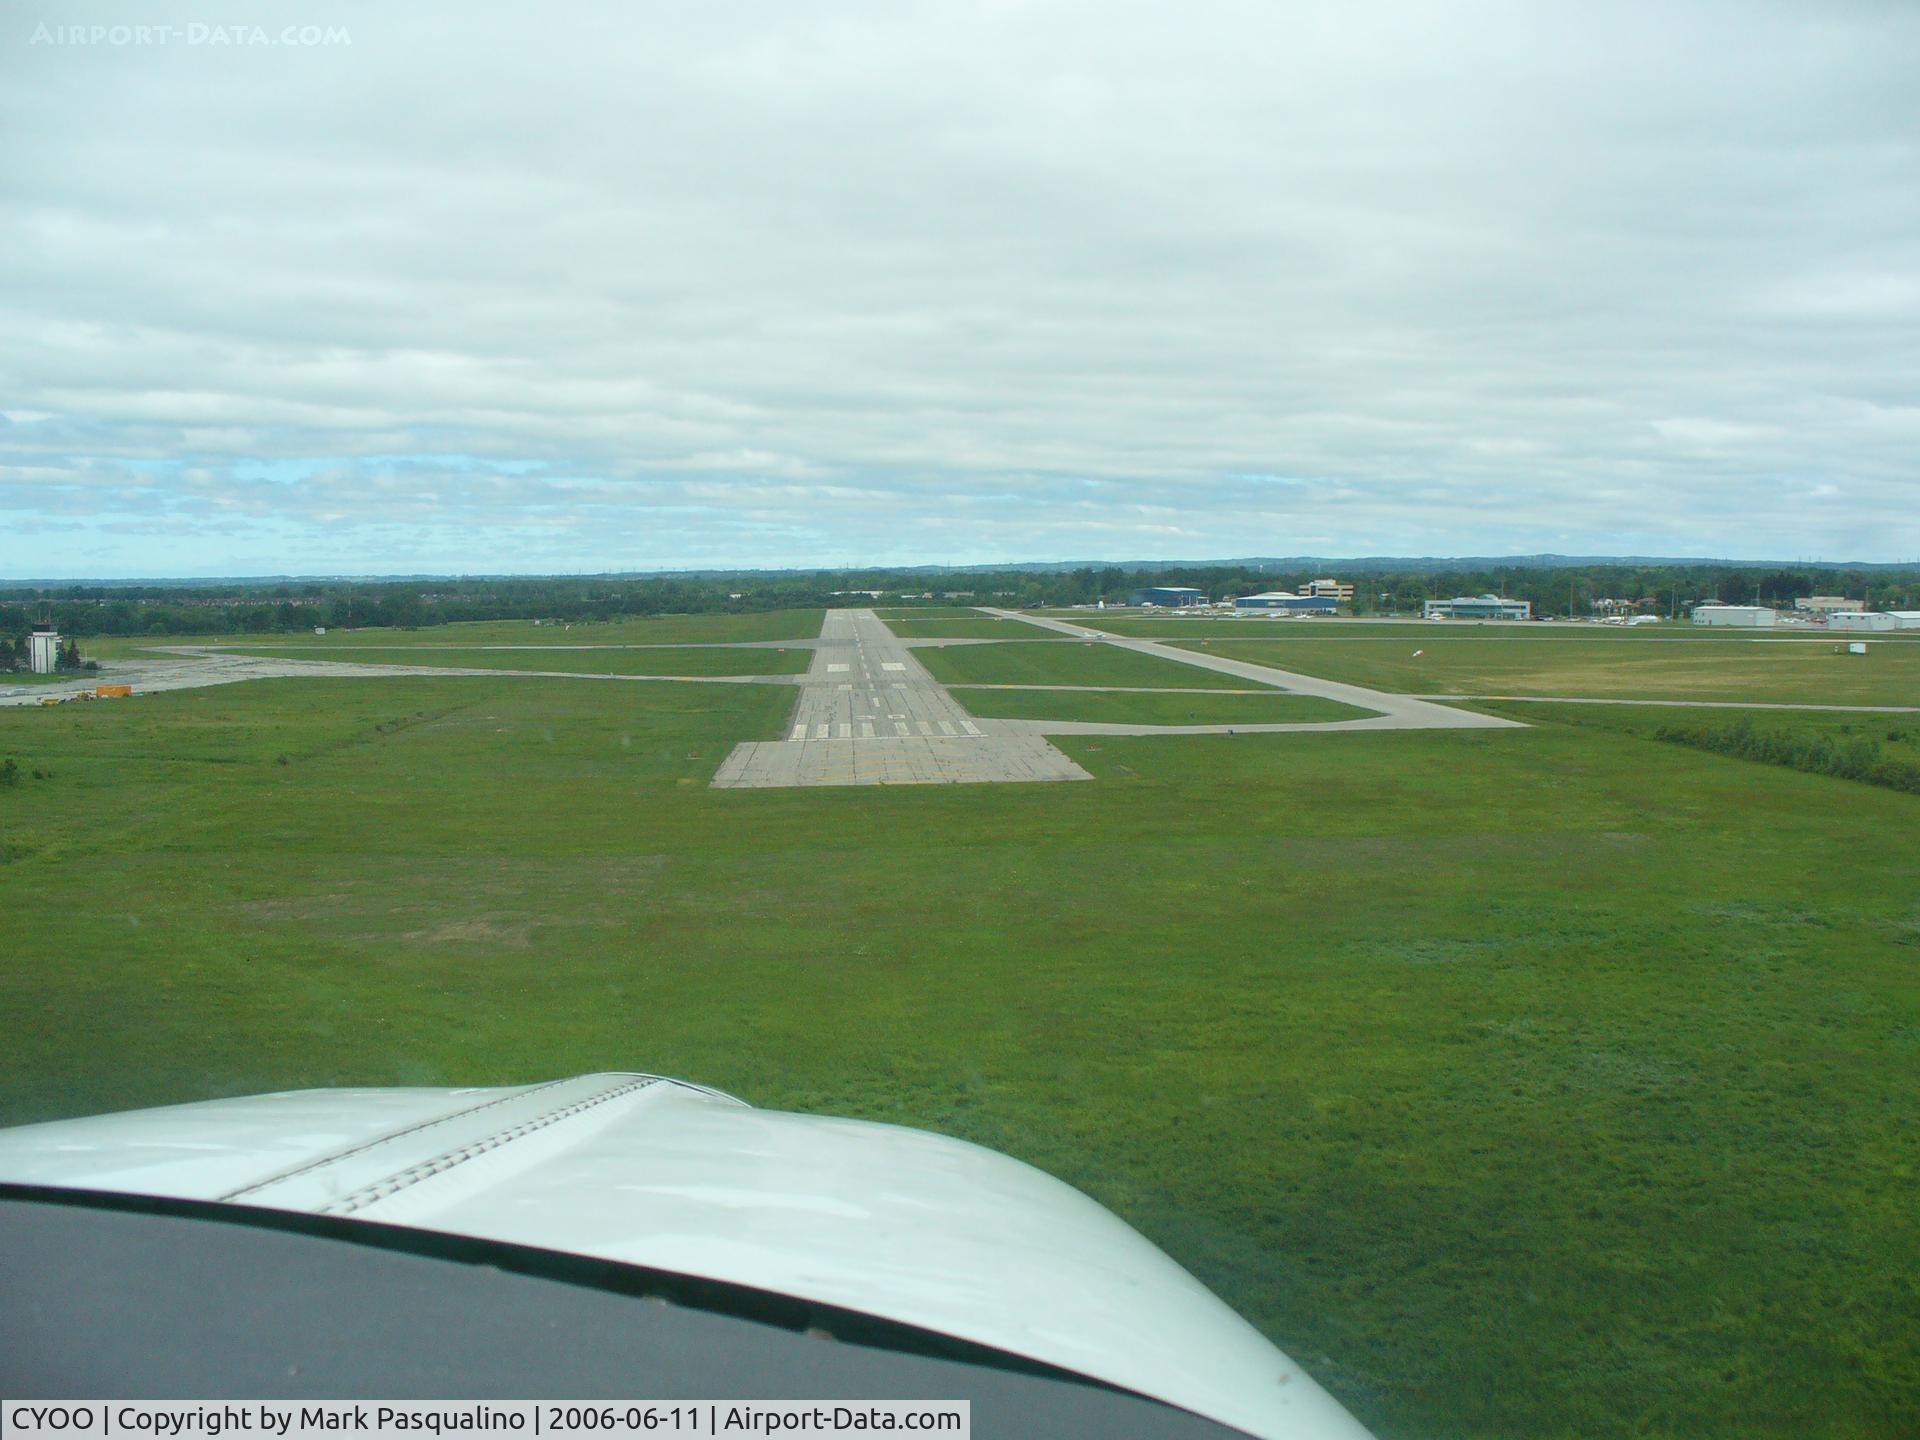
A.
x: 466, y: 287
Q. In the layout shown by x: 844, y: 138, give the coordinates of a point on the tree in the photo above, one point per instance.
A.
x: 1782, y: 587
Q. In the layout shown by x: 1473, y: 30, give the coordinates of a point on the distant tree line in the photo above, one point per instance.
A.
x: 279, y: 607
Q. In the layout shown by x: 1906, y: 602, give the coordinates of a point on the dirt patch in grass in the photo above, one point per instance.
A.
x: 493, y: 933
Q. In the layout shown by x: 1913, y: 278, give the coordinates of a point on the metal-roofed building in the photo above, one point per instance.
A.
x: 1478, y: 607
x: 1171, y: 595
x: 1289, y: 603
x: 1749, y: 615
x: 1852, y: 620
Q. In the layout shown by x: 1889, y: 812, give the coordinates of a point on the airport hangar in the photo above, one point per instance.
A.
x: 1176, y: 596
x: 1290, y: 604
x: 1477, y: 607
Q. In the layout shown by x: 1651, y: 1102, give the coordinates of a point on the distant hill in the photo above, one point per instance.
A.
x: 1365, y: 564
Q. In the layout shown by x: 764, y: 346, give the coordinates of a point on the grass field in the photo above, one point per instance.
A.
x: 611, y: 660
x: 1898, y: 734
x: 1063, y: 662
x: 1593, y: 664
x: 1168, y: 626
x: 61, y: 677
x: 1146, y: 708
x: 717, y: 629
x: 1540, y: 1083
x: 963, y: 627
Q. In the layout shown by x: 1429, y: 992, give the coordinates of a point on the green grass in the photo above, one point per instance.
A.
x: 717, y: 629
x: 1173, y: 626
x: 1138, y: 708
x: 1897, y: 735
x: 1066, y: 662
x: 123, y: 647
x: 1541, y: 1083
x: 931, y: 612
x: 667, y: 660
x: 60, y: 677
x: 963, y: 627
x: 1594, y: 664
x: 1170, y: 626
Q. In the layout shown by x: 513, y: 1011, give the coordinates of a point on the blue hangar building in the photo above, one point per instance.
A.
x: 1174, y: 595
x: 1291, y: 604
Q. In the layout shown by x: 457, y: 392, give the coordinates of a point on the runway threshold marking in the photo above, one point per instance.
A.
x: 917, y: 751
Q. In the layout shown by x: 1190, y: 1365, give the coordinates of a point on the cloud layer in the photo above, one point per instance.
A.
x: 648, y: 285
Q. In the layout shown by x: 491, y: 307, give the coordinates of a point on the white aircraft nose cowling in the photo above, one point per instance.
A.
x: 638, y: 1169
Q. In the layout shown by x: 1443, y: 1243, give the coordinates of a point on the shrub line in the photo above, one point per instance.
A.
x: 1858, y: 758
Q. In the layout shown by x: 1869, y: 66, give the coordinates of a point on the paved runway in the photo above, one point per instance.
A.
x: 870, y: 714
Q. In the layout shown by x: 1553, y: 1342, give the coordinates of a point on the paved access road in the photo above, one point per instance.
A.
x: 870, y: 714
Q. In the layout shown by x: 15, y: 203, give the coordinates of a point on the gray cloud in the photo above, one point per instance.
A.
x: 779, y: 283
